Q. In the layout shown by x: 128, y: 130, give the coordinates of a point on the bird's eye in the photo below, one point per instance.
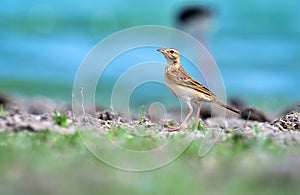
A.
x: 172, y: 51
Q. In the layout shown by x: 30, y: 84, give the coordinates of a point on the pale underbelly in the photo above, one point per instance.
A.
x: 187, y: 94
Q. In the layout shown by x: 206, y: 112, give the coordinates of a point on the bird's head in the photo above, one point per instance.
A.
x: 171, y: 54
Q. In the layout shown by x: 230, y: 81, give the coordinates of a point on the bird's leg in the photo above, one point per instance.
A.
x: 197, y: 115
x: 189, y: 114
x: 182, y: 126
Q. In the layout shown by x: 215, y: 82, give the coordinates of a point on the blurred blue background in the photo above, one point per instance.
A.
x: 256, y: 44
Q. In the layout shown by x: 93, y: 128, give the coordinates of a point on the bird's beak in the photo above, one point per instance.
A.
x: 161, y: 51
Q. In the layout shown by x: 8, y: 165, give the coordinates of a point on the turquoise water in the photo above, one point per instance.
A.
x: 256, y: 44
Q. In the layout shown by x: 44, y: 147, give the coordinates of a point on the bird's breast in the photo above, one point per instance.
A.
x: 187, y: 94
x: 174, y: 84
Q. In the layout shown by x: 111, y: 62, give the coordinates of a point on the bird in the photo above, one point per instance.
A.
x: 186, y: 88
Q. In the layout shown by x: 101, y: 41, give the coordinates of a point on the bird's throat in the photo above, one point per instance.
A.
x: 175, y: 63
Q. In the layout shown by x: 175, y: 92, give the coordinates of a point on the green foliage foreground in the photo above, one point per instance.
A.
x: 51, y: 163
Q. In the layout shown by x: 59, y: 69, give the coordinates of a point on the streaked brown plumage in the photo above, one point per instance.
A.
x: 182, y: 85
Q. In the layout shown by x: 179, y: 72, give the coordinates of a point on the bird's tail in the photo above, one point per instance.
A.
x: 227, y: 107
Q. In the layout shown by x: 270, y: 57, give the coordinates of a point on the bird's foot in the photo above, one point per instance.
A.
x: 176, y: 128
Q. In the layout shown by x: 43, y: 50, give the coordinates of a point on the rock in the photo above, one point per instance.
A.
x: 146, y: 122
x: 106, y: 115
x: 4, y: 100
x: 237, y: 103
x: 20, y: 116
x: 289, y: 121
x: 40, y: 105
x: 254, y: 115
x: 205, y: 112
x: 291, y: 109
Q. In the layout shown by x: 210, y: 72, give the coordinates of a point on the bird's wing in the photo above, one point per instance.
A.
x: 187, y: 81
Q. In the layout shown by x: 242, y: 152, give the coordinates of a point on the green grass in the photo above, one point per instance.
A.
x: 47, y: 162
x: 60, y: 119
x: 3, y: 111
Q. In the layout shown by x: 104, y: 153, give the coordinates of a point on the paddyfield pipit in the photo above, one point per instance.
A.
x: 182, y: 85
